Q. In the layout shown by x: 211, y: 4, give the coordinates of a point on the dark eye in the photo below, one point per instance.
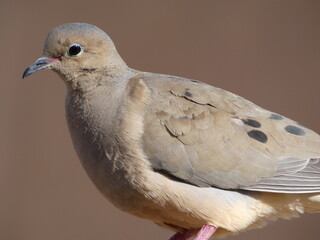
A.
x: 75, y: 50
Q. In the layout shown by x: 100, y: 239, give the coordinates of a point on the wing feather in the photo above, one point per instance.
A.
x: 210, y: 137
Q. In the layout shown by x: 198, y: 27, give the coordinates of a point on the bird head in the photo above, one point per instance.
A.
x: 74, y: 50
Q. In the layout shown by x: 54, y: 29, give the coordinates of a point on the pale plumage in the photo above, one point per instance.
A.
x: 181, y: 153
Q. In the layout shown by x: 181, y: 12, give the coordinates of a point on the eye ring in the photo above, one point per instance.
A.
x: 75, y: 50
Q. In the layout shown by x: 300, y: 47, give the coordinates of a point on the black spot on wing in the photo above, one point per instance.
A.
x: 251, y: 123
x: 295, y: 130
x: 196, y: 81
x: 276, y: 116
x: 188, y: 94
x: 258, y: 135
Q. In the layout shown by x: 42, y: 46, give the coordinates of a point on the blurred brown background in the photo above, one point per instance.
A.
x: 265, y: 51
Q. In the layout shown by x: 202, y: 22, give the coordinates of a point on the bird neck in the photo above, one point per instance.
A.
x: 88, y: 79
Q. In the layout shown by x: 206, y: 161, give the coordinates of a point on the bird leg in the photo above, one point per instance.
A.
x: 205, y: 232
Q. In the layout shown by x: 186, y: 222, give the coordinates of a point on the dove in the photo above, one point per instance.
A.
x: 186, y: 155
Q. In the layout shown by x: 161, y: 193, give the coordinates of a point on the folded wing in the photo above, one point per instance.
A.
x: 206, y: 136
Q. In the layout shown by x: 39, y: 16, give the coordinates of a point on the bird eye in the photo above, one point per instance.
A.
x: 75, y: 50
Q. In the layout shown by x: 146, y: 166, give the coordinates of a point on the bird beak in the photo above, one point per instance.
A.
x: 41, y: 63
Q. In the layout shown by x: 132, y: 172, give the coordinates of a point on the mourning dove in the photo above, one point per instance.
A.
x: 184, y: 154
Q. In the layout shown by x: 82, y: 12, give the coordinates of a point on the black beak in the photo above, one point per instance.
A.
x: 41, y: 63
